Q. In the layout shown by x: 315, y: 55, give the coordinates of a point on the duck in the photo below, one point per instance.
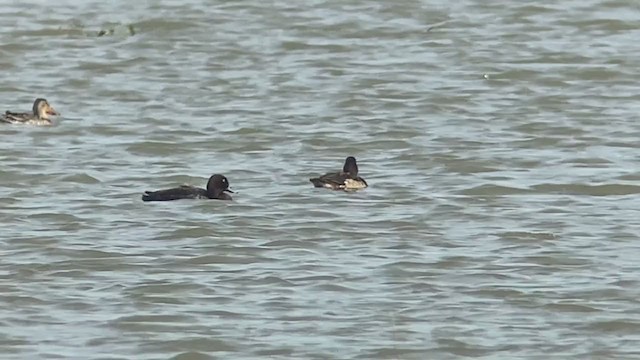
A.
x: 39, y: 116
x: 217, y: 188
x: 347, y: 179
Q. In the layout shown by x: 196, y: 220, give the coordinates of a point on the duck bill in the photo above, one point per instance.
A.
x: 229, y: 190
x: 52, y: 111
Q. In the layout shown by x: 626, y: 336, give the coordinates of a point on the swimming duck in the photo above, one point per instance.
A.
x: 39, y: 116
x: 216, y: 187
x: 347, y: 179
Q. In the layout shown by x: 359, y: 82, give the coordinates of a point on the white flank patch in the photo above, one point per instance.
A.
x: 354, y: 184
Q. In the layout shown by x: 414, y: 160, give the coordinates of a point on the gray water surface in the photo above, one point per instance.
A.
x: 499, y: 140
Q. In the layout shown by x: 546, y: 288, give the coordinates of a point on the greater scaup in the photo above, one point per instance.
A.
x: 347, y: 179
x: 39, y: 116
x: 216, y: 187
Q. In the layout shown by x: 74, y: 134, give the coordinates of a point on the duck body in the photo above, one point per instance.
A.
x: 217, y: 188
x: 347, y: 179
x: 39, y: 116
x: 339, y: 181
x: 177, y: 193
x: 24, y: 118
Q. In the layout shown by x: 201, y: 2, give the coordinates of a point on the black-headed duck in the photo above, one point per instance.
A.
x: 347, y: 179
x: 216, y: 187
x: 40, y: 115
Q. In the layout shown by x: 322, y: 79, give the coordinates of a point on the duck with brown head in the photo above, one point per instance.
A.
x: 39, y: 116
x: 347, y: 179
x: 217, y: 188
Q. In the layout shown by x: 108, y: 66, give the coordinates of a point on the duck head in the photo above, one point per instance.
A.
x: 42, y: 109
x: 217, y: 184
x: 350, y: 167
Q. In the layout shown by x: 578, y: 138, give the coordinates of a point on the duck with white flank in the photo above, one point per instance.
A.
x: 347, y: 179
x: 39, y: 116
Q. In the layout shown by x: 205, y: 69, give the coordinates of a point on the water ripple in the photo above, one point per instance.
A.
x: 499, y: 142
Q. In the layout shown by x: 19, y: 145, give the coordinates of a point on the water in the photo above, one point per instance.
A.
x: 499, y: 140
